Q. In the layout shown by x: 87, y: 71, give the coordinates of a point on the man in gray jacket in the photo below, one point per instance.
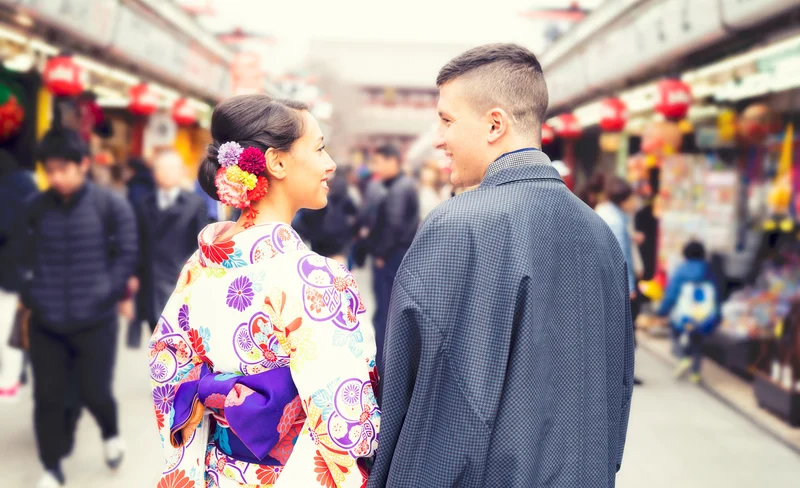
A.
x: 509, y: 348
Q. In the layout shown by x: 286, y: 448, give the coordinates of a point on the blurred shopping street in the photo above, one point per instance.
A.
x: 679, y: 436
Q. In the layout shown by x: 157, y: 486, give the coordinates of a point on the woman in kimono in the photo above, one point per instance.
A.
x: 262, y: 372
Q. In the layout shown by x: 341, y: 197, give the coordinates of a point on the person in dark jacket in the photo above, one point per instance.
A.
x: 141, y: 184
x: 16, y: 188
x: 692, y: 302
x: 80, y: 252
x: 330, y: 229
x: 509, y: 346
x: 169, y: 222
x: 396, y: 223
x: 373, y: 193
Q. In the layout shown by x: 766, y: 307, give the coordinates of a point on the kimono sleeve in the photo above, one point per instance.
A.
x: 332, y: 360
x: 175, y: 351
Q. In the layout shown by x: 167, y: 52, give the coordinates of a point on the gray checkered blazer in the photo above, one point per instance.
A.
x: 509, y: 346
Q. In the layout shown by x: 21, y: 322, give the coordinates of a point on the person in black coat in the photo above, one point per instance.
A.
x: 170, y: 219
x: 78, y: 253
x: 330, y: 230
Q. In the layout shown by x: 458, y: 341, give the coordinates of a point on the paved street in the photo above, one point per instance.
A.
x: 679, y: 437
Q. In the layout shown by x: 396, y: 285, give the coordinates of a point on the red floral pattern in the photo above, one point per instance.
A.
x: 324, y: 475
x: 217, y: 252
x: 268, y: 475
x: 289, y: 429
x: 159, y: 418
x: 199, y: 347
x: 176, y: 479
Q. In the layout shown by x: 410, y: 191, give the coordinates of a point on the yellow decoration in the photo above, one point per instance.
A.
x: 685, y: 126
x: 652, y: 290
x: 787, y: 225
x: 650, y: 161
x: 779, y: 329
x: 236, y: 175
x: 726, y: 125
x: 770, y: 225
x: 44, y: 111
x: 785, y: 162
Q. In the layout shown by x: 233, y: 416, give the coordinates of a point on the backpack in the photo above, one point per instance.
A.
x: 696, y: 305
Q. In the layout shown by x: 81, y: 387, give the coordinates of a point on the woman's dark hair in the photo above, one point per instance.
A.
x: 618, y: 190
x: 253, y: 121
x: 694, y: 251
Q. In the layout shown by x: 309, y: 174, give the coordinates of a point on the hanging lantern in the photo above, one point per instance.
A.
x: 12, y: 115
x: 183, y: 113
x: 548, y: 136
x: 661, y: 139
x: 755, y: 124
x: 63, y: 77
x: 674, y: 99
x: 613, y: 115
x: 143, y: 101
x: 569, y: 128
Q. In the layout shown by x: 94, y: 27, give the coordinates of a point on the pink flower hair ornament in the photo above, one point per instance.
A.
x: 239, y: 171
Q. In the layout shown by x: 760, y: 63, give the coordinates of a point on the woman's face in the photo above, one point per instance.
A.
x: 307, y: 176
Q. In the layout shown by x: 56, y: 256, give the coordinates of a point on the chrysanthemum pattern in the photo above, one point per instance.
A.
x: 284, y: 307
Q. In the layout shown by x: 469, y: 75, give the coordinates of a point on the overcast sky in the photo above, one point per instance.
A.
x: 295, y: 22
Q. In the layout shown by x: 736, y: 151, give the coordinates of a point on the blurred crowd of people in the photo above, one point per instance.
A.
x: 108, y: 241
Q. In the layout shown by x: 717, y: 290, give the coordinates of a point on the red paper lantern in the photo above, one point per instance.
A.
x: 183, y: 113
x: 143, y: 100
x: 569, y: 128
x: 63, y: 77
x: 674, y: 99
x: 548, y: 135
x: 613, y: 115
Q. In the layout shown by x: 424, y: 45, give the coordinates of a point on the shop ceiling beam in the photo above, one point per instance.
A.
x: 183, y: 22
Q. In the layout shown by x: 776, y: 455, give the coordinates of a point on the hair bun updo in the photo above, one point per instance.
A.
x: 252, y: 121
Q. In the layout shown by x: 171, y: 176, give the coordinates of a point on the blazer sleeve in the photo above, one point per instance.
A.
x: 404, y: 339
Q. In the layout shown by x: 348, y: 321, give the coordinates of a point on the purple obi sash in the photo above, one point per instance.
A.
x: 256, y: 411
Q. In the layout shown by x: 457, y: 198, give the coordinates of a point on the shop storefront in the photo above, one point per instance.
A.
x: 93, y: 65
x: 699, y: 111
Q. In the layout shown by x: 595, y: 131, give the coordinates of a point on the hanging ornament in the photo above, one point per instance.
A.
x: 661, y: 139
x: 63, y: 77
x: 12, y: 114
x: 674, y: 99
x: 755, y: 124
x: 142, y: 100
x: 613, y: 115
x: 548, y: 136
x: 183, y: 113
x: 569, y: 127
x: 726, y: 126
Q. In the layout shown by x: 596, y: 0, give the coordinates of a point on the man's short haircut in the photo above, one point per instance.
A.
x: 389, y: 151
x: 507, y: 76
x: 62, y: 144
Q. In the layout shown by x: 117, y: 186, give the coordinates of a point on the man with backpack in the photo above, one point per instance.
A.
x: 78, y: 255
x: 692, y: 303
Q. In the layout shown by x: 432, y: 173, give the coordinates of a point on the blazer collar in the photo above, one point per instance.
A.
x: 524, y: 164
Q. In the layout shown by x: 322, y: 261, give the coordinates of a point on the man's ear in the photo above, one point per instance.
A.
x: 276, y: 163
x: 498, y: 122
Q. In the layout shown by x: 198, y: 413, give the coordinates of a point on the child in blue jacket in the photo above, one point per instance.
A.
x: 692, y: 303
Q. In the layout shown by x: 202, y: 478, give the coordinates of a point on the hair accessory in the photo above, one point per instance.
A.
x: 228, y: 154
x: 239, y: 180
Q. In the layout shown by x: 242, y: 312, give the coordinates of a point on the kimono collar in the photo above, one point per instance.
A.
x: 251, y: 246
x: 524, y: 164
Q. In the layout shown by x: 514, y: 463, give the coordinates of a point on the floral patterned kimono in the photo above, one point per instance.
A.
x: 262, y: 373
